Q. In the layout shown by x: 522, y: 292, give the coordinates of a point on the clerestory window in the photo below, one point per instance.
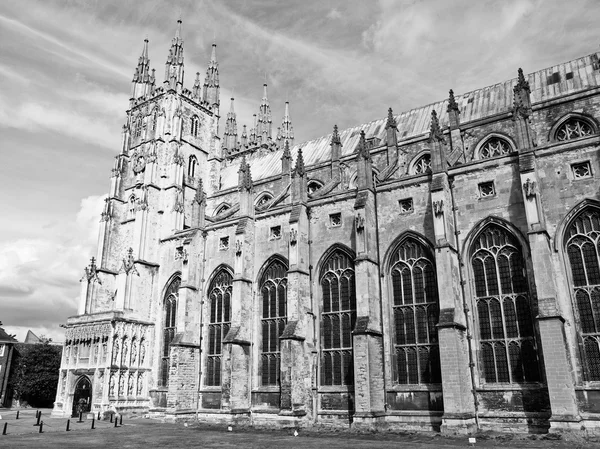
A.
x: 219, y: 296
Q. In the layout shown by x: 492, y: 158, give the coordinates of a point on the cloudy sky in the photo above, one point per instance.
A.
x: 66, y: 68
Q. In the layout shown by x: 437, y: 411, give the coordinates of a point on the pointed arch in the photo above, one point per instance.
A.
x: 568, y: 218
x: 414, y: 302
x: 420, y: 163
x: 580, y: 242
x: 218, y: 296
x: 223, y: 207
x: 313, y: 185
x: 502, y: 299
x: 494, y: 144
x: 169, y: 328
x: 338, y: 315
x: 573, y: 125
x: 194, y: 125
x: 192, y: 165
x: 262, y: 199
x: 272, y: 283
x: 498, y: 221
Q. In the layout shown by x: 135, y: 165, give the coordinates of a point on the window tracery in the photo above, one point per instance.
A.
x: 422, y: 165
x: 170, y: 322
x: 416, y: 313
x: 192, y: 164
x: 573, y: 128
x: 494, y: 146
x: 506, y: 335
x: 194, y: 126
x: 219, y: 295
x: 583, y: 250
x: 338, y: 317
x: 273, y: 288
x: 313, y: 186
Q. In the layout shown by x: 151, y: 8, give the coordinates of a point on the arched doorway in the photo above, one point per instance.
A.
x: 82, y: 396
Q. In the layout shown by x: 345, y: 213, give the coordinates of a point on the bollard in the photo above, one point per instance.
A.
x: 41, y: 427
x: 80, y: 417
x: 111, y: 418
x: 18, y: 413
x: 116, y: 422
x: 5, y: 427
x: 99, y: 418
x: 68, y: 425
x: 93, y: 422
x: 39, y: 415
x: 120, y: 420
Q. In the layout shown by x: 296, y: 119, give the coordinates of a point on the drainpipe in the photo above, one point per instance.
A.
x: 201, y: 288
x: 466, y: 309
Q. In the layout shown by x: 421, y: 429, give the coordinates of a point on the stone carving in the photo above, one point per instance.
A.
x: 125, y: 352
x: 122, y: 384
x: 88, y: 332
x: 111, y: 386
x: 293, y: 237
x: 142, y: 352
x: 140, y: 383
x: 529, y: 188
x: 104, y: 351
x: 359, y: 221
x: 130, y: 385
x: 129, y: 263
x: 115, y: 352
x: 438, y: 207
x: 91, y: 274
x: 238, y: 247
x: 134, y: 350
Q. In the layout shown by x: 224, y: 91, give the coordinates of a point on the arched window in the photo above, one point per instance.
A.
x: 573, y: 128
x: 170, y: 321
x: 194, y: 126
x: 313, y: 186
x: 506, y: 335
x: 582, y: 244
x: 273, y: 289
x: 338, y: 316
x: 422, y: 165
x: 192, y: 163
x: 494, y: 146
x: 154, y: 118
x: 137, y: 128
x: 416, y: 312
x: 131, y: 206
x: 263, y: 200
x: 219, y: 296
x: 222, y: 208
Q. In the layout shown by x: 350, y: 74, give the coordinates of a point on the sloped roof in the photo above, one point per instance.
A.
x: 5, y: 338
x: 576, y: 75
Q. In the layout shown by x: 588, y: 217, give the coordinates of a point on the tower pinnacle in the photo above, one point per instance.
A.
x: 210, y: 96
x: 174, y: 65
x: 230, y: 137
x: 286, y: 132
x: 143, y: 80
x: 263, y: 127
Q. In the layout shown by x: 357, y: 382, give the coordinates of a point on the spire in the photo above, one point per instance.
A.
x: 245, y: 177
x: 521, y: 82
x: 253, y: 131
x: 522, y: 99
x: 174, y: 65
x: 263, y: 127
x: 244, y: 137
x: 435, y: 132
x: 200, y: 197
x: 336, y: 144
x: 197, y: 89
x: 453, y: 111
x: 286, y: 159
x: 230, y: 137
x: 391, y: 121
x: 299, y: 169
x: 210, y: 95
x: 363, y: 151
x: 391, y: 130
x: 142, y: 77
x: 286, y: 133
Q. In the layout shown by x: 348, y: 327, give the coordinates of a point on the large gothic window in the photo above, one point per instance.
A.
x: 273, y: 289
x: 170, y: 320
x: 582, y: 244
x: 494, y: 146
x: 416, y: 311
x: 506, y: 336
x: 219, y: 296
x: 338, y: 316
x: 192, y: 164
x: 573, y: 128
x: 422, y: 165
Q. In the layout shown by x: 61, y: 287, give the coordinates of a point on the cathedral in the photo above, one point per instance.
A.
x: 437, y: 269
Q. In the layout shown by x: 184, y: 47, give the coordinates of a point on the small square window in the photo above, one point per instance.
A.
x: 487, y: 189
x: 406, y: 206
x: 581, y: 170
x: 275, y: 233
x: 223, y: 243
x: 335, y: 219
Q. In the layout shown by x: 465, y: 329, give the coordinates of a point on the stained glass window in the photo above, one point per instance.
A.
x: 494, y: 146
x: 508, y: 347
x: 416, y: 312
x: 194, y: 126
x: 273, y: 288
x: 338, y: 316
x: 573, y: 128
x: 170, y: 320
x: 219, y: 296
x: 583, y: 250
x: 422, y: 165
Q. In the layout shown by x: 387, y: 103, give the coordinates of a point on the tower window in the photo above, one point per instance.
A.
x: 137, y: 127
x: 192, y: 163
x: 406, y: 206
x: 338, y: 317
x: 219, y: 296
x: 416, y: 311
x: 574, y: 128
x: 422, y: 165
x: 223, y: 243
x: 581, y: 170
x: 487, y: 189
x: 335, y: 219
x: 273, y: 287
x: 313, y: 186
x: 506, y: 332
x: 170, y: 321
x: 131, y: 206
x: 275, y: 233
x: 195, y: 125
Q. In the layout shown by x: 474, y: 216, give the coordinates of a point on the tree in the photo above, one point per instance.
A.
x: 35, y: 371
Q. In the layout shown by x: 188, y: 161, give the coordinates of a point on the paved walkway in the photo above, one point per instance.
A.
x: 144, y: 433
